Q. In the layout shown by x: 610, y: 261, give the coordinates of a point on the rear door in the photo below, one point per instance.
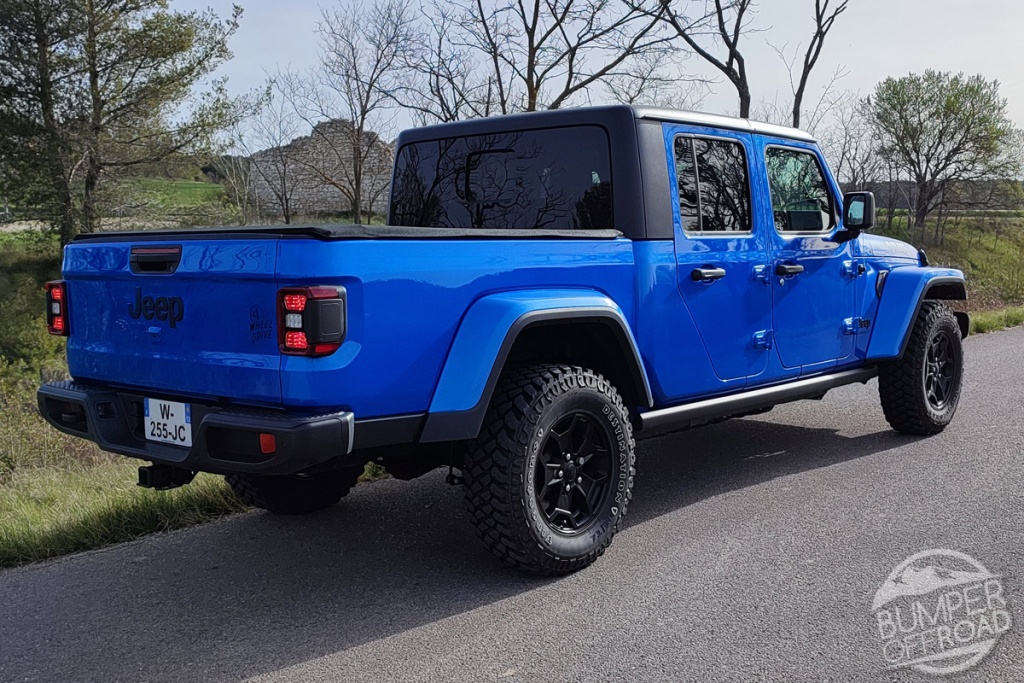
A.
x: 720, y: 248
x: 192, y: 317
x: 814, y: 278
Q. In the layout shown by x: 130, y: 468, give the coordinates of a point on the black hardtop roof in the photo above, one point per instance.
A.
x: 610, y: 116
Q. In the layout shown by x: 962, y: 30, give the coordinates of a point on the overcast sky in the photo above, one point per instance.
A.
x: 872, y: 40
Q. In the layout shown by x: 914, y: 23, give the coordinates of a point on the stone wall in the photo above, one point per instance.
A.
x: 315, y: 172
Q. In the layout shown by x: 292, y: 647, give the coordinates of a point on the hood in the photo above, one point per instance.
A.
x: 879, y: 245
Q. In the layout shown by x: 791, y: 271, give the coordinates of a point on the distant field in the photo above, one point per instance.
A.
x: 181, y: 194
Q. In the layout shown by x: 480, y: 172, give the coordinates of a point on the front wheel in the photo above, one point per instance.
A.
x: 920, y: 391
x: 551, y: 474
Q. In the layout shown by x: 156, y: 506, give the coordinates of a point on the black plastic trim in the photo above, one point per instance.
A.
x: 465, y: 424
x: 664, y: 420
x: 657, y: 190
x: 341, y: 232
x: 948, y: 289
x: 963, y: 321
x: 388, y: 431
x: 303, y: 441
x: 619, y: 122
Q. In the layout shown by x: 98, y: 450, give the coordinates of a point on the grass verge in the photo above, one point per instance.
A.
x: 47, y: 512
x: 989, y: 321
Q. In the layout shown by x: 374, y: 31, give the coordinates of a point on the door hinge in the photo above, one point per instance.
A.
x: 762, y: 274
x: 763, y: 339
x: 853, y: 269
x: 855, y: 325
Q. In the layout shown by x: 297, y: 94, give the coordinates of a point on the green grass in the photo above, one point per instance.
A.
x: 48, y: 512
x: 988, y: 248
x: 988, y: 321
x: 60, y: 494
x: 179, y: 194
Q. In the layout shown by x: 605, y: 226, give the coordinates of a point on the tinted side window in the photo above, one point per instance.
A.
x: 556, y: 179
x: 713, y: 185
x: 801, y: 201
x: 686, y: 177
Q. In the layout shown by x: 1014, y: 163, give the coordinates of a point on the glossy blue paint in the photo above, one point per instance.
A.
x: 728, y: 312
x: 678, y: 365
x: 485, y: 327
x: 407, y: 300
x: 225, y: 345
x: 905, y: 288
x: 426, y: 317
x: 809, y: 308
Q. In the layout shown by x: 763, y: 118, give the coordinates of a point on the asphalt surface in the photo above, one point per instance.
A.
x: 752, y: 552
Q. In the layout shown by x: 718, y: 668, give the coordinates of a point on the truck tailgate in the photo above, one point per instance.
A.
x: 203, y: 328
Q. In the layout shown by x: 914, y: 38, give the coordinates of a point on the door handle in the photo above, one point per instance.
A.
x: 788, y: 269
x: 707, y: 274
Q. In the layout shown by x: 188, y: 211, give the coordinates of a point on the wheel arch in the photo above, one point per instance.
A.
x: 575, y: 327
x: 905, y: 291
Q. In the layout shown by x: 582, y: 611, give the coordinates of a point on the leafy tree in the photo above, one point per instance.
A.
x: 943, y: 130
x: 93, y: 88
x: 37, y: 109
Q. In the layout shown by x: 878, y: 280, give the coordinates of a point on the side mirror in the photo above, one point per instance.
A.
x: 858, y: 211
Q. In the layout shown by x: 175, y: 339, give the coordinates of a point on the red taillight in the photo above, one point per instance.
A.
x: 310, y: 320
x: 57, y: 307
x: 294, y: 302
x: 295, y: 341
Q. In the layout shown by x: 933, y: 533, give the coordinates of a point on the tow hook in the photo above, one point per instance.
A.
x: 164, y: 477
x: 453, y: 479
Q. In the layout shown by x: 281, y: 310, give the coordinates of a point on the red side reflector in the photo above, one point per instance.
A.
x: 268, y: 444
x: 323, y: 292
x: 296, y: 340
x: 325, y: 348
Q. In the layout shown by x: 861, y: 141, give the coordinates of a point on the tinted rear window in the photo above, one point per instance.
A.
x: 554, y: 179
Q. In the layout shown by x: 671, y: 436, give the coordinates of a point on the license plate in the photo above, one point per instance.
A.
x: 169, y: 422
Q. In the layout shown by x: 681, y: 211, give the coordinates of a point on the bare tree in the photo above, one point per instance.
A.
x: 235, y: 174
x: 265, y: 137
x: 443, y: 80
x: 478, y: 58
x: 715, y: 34
x: 851, y: 144
x: 654, y: 79
x: 823, y: 22
x: 363, y: 50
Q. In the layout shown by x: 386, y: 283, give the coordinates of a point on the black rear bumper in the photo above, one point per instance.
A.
x: 224, y: 440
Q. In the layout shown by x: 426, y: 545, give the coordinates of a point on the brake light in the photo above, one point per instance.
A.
x: 310, y: 320
x: 57, y: 308
x: 294, y: 302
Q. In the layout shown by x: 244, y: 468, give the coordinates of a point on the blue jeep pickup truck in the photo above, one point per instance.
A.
x: 550, y: 287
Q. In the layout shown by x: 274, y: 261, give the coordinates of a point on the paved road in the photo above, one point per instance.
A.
x: 752, y: 552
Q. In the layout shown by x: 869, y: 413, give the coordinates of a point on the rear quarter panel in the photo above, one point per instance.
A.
x: 406, y: 299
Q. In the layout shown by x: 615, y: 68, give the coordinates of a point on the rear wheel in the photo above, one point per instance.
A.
x: 294, y: 494
x: 920, y: 391
x: 551, y: 474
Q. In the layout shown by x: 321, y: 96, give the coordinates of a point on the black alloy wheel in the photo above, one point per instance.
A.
x: 551, y: 473
x: 573, y: 472
x: 920, y: 390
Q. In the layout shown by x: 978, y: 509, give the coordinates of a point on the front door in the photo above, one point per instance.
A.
x: 721, y: 250
x: 813, y: 278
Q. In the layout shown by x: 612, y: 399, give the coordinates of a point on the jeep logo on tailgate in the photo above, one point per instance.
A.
x: 162, y: 308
